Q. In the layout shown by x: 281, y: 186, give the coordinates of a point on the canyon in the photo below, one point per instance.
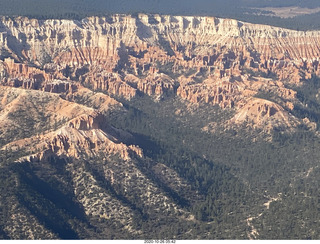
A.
x: 200, y: 59
x: 73, y: 94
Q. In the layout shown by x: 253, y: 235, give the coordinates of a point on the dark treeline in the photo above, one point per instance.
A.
x: 234, y: 172
x: 242, y: 10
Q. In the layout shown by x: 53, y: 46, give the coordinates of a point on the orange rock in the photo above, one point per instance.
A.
x: 202, y: 59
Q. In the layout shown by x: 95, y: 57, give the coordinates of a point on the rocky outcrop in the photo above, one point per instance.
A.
x: 59, y: 127
x: 24, y: 71
x: 73, y: 142
x: 210, y: 91
x: 153, y: 84
x: 110, y: 82
x: 24, y: 76
x: 126, y: 41
x: 26, y: 113
x: 200, y: 59
x: 261, y: 113
x: 80, y: 136
x: 59, y: 86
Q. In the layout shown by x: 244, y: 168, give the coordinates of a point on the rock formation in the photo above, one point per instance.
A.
x: 200, y: 59
x: 61, y: 79
x: 261, y: 113
x: 82, y: 132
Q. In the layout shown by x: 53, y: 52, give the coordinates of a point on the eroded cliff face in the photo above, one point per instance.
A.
x: 59, y: 80
x: 70, y: 130
x: 200, y: 59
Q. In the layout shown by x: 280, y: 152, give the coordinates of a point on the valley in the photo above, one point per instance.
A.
x: 158, y: 127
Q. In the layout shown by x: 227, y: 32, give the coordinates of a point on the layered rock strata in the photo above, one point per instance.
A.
x: 201, y: 59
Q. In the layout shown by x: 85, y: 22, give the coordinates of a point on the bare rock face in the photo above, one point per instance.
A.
x: 24, y: 71
x: 77, y: 129
x: 153, y: 84
x: 86, y: 122
x: 59, y: 80
x: 59, y: 86
x: 36, y: 112
x: 200, y: 59
x: 264, y: 114
x: 110, y: 82
x: 24, y: 76
x: 82, y: 135
x: 210, y: 91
